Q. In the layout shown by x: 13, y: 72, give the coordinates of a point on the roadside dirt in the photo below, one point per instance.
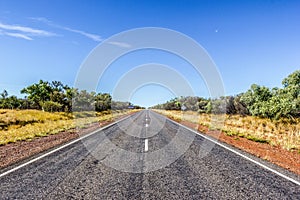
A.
x: 287, y: 159
x: 15, y: 152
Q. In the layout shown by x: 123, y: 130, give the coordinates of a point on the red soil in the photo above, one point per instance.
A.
x: 287, y: 159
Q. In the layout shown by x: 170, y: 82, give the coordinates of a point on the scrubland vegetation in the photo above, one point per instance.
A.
x: 52, y: 107
x: 17, y: 125
x: 56, y: 97
x: 282, y: 133
x: 260, y: 114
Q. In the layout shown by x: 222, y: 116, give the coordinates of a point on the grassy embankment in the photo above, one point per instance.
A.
x: 284, y: 133
x: 18, y: 125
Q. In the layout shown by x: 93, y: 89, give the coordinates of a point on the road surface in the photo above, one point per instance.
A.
x: 118, y: 162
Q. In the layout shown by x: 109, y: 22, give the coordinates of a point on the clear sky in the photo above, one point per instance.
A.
x: 249, y: 41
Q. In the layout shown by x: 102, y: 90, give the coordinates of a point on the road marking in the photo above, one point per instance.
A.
x: 146, y: 145
x: 61, y: 147
x: 240, y: 154
x: 146, y: 149
x: 146, y: 125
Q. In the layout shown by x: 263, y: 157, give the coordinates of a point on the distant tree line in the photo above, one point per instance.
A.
x: 55, y: 96
x: 257, y: 101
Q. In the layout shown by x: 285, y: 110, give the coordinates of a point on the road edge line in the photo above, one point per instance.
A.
x: 236, y: 152
x: 61, y: 147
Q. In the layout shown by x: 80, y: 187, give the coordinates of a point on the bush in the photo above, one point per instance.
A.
x: 51, y: 106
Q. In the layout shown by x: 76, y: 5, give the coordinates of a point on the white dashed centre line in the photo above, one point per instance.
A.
x: 146, y: 145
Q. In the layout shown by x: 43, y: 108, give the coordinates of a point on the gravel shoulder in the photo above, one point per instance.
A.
x: 15, y: 153
x: 86, y: 170
x: 289, y: 160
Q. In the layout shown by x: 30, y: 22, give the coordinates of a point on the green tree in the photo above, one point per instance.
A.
x: 190, y: 103
x: 38, y: 93
x: 9, y: 102
x: 4, y: 94
x: 256, y: 99
x: 103, y: 101
x: 83, y: 100
x: 240, y: 107
x: 275, y: 103
x: 202, y: 105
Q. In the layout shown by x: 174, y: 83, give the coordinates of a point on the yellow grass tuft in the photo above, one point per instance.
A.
x: 282, y: 132
x: 17, y: 125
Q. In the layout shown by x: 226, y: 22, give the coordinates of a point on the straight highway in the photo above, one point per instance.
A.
x: 145, y: 156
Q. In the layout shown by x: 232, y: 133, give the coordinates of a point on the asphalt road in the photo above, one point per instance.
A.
x: 145, y: 156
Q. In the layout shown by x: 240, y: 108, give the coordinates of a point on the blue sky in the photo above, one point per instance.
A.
x: 249, y: 41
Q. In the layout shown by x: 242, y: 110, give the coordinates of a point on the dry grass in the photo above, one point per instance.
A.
x: 16, y: 125
x: 283, y: 133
